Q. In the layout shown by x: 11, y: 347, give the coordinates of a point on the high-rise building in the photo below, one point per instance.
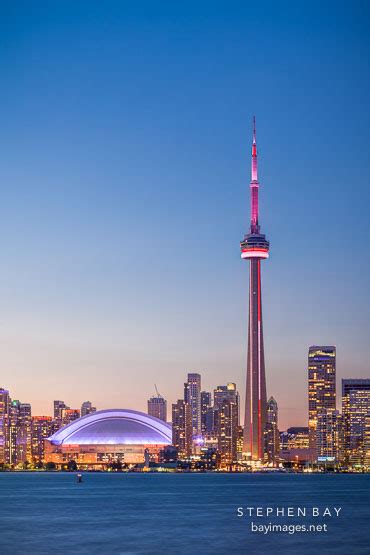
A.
x: 58, y: 407
x: 24, y: 433
x: 13, y: 431
x: 226, y: 392
x: 272, y: 436
x: 87, y: 408
x: 227, y: 431
x: 157, y: 407
x: 255, y: 248
x: 356, y: 417
x: 69, y: 415
x: 205, y: 410
x: 239, y: 442
x: 221, y: 394
x: 182, y: 429
x: 321, y: 385
x: 42, y: 428
x: 192, y: 396
x: 4, y: 426
x: 329, y: 436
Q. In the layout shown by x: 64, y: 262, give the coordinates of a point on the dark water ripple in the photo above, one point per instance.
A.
x: 49, y: 513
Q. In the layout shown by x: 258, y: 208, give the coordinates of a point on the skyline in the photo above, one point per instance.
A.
x: 106, y: 269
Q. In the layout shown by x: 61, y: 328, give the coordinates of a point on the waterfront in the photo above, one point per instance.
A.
x: 45, y: 513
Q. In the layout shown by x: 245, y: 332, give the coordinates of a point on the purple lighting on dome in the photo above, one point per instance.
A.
x: 114, y: 427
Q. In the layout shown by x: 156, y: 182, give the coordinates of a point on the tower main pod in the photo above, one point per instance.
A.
x: 255, y: 248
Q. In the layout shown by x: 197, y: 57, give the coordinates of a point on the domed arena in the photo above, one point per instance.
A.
x: 108, y: 437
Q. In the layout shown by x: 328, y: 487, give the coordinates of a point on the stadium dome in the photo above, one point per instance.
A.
x: 114, y: 427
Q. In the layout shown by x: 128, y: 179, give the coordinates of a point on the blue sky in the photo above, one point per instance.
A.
x: 124, y: 171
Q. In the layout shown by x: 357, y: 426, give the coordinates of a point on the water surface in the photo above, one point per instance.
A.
x: 50, y: 513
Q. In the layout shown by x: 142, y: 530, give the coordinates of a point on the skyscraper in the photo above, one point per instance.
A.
x: 182, y: 428
x: 69, y: 415
x: 24, y: 433
x: 272, y: 436
x: 206, y: 422
x: 42, y: 428
x: 192, y: 397
x: 4, y: 425
x: 356, y: 421
x: 87, y: 408
x: 321, y: 385
x: 227, y: 431
x: 255, y: 248
x: 329, y: 436
x: 157, y: 407
x: 58, y: 407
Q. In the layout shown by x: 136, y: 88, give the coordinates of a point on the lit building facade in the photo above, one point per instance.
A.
x: 42, y: 428
x: 24, y: 434
x: 206, y: 418
x: 329, y: 437
x: 192, y: 389
x: 182, y: 428
x: 321, y: 385
x: 255, y: 248
x: 272, y: 436
x: 4, y: 426
x: 356, y: 416
x: 227, y: 431
x: 109, y: 436
x: 294, y: 446
x: 69, y: 415
x: 87, y: 408
x: 157, y: 407
x: 58, y: 407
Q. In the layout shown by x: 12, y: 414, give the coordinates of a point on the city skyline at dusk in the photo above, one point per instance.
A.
x: 122, y: 209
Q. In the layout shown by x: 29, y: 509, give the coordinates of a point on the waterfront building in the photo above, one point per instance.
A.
x: 356, y: 416
x: 13, y: 431
x: 239, y: 442
x: 87, y: 408
x: 321, y: 385
x: 272, y: 438
x: 294, y: 446
x: 24, y: 433
x: 108, y: 436
x: 192, y: 396
x: 4, y: 426
x: 329, y: 437
x: 42, y: 428
x: 227, y: 431
x: 206, y: 423
x: 255, y: 248
x: 182, y: 428
x: 298, y: 437
x: 157, y: 407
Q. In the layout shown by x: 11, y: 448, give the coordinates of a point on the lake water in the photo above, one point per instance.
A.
x: 50, y: 513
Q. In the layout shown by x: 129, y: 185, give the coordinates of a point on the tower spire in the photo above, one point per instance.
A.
x: 254, y: 183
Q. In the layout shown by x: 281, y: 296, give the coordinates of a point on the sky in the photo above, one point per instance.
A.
x: 124, y: 181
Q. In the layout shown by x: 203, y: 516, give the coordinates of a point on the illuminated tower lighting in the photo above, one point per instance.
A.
x: 254, y: 248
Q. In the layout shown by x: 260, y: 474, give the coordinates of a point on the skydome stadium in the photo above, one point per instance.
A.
x: 108, y: 436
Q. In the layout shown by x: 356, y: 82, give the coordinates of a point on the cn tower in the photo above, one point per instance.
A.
x: 255, y: 248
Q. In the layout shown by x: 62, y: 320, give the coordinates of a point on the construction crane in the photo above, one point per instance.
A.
x: 158, y: 394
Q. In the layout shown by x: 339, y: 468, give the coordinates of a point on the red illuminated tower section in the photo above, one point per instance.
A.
x: 255, y: 248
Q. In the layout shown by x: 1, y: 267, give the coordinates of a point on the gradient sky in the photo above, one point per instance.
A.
x: 124, y: 180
